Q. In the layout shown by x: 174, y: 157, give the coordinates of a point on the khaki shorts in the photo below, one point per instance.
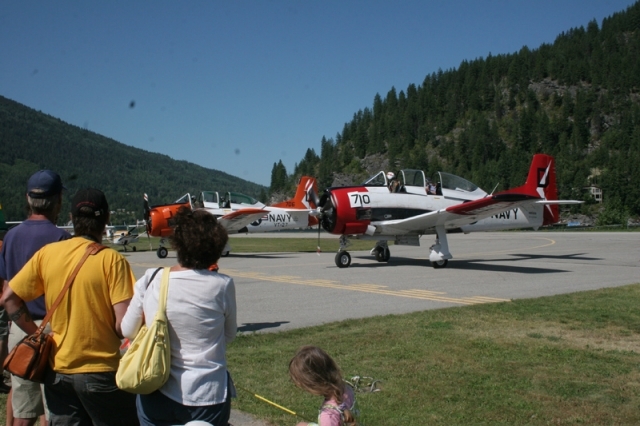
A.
x: 27, y: 398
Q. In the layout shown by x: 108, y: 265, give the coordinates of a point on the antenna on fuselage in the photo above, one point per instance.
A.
x: 494, y: 188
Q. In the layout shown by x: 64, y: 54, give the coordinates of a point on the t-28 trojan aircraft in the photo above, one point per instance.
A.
x: 404, y: 212
x: 238, y: 213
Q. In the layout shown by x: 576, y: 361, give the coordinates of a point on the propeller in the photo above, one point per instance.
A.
x: 147, y: 218
x: 319, y: 203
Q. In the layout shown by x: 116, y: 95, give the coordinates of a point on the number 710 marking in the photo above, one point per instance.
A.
x: 358, y: 199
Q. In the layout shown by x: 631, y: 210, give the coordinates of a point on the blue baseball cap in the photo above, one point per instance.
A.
x: 44, y: 183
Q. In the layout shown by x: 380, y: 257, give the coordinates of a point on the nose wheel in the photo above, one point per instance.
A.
x: 343, y: 259
x: 162, y: 252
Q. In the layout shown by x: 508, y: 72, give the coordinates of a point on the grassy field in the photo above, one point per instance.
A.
x: 562, y: 360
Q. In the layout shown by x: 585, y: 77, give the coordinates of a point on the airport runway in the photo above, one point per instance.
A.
x: 282, y: 291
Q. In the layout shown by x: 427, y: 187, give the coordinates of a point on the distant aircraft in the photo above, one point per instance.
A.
x: 372, y: 211
x: 125, y: 239
x: 238, y: 213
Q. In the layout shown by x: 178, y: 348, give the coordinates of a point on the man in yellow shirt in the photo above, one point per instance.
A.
x: 81, y: 388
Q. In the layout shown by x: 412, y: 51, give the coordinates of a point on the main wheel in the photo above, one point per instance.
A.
x: 343, y: 259
x: 387, y: 254
x: 134, y: 248
x: 379, y: 254
x: 162, y: 252
x: 439, y: 264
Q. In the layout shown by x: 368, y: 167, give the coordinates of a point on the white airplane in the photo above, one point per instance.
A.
x: 238, y: 213
x: 373, y: 211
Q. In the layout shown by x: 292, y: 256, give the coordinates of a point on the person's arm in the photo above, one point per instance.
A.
x: 120, y: 309
x: 17, y: 311
x: 230, y: 317
x: 134, y: 317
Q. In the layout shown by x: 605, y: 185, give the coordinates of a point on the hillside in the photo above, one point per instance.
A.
x: 31, y: 140
x: 577, y: 99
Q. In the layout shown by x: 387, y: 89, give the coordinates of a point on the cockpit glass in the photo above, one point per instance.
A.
x: 184, y: 199
x: 376, y: 180
x: 209, y: 197
x: 456, y: 183
x: 237, y: 198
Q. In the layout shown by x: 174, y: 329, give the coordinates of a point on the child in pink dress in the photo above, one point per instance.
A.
x: 314, y: 371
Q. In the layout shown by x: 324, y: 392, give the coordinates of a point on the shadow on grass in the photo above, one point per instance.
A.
x: 256, y: 326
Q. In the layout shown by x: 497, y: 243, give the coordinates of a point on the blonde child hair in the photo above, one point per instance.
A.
x: 314, y: 371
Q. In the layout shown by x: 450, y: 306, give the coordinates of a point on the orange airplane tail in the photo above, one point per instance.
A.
x: 301, y: 200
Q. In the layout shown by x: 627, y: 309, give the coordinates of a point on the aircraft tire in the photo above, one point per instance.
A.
x: 343, y: 259
x: 439, y: 264
x: 134, y: 248
x: 162, y: 252
x: 380, y: 254
x: 387, y: 254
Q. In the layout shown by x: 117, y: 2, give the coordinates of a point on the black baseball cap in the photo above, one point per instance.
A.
x: 89, y: 202
x: 44, y: 183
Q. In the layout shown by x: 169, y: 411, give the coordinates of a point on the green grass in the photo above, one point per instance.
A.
x: 569, y: 359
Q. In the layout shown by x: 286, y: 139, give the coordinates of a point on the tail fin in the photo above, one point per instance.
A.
x: 301, y: 200
x: 541, y: 182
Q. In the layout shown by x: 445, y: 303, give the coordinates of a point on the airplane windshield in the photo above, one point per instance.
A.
x: 184, y: 199
x: 456, y: 183
x: 377, y: 180
x: 413, y: 177
x: 237, y: 198
x: 209, y: 197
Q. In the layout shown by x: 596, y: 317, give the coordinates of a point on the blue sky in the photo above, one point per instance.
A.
x: 237, y: 86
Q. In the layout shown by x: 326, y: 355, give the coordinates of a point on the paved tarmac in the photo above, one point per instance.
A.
x: 283, y: 291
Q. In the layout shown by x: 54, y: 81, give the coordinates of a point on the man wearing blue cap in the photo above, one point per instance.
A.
x: 44, y: 196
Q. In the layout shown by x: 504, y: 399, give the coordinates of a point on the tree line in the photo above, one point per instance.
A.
x: 577, y: 99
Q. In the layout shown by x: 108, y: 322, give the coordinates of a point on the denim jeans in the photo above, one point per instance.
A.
x: 156, y: 409
x: 88, y: 399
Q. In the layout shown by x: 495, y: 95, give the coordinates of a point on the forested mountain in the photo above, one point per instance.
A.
x: 577, y: 99
x: 31, y: 140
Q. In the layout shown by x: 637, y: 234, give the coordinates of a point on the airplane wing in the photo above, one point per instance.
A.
x: 236, y: 220
x: 459, y: 214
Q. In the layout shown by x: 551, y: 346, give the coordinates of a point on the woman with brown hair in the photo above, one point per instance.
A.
x: 201, y: 314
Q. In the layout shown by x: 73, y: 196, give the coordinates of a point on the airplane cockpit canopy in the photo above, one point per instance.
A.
x: 456, y: 183
x: 410, y: 177
x: 407, y: 177
x: 210, y: 197
x: 379, y: 179
x: 237, y: 198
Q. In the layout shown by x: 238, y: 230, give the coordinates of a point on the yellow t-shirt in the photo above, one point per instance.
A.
x: 83, y: 325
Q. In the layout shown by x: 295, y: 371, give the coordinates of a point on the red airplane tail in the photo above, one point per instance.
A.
x: 541, y: 182
x: 301, y: 200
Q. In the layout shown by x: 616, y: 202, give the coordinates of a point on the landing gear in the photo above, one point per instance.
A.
x: 439, y: 252
x: 343, y: 259
x: 381, y: 252
x: 439, y: 264
x: 162, y: 252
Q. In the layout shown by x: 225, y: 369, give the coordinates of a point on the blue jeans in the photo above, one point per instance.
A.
x: 88, y: 399
x: 156, y: 409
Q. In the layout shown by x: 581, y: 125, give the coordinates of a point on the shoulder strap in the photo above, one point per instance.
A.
x: 92, y: 249
x: 162, y: 298
x: 153, y: 276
